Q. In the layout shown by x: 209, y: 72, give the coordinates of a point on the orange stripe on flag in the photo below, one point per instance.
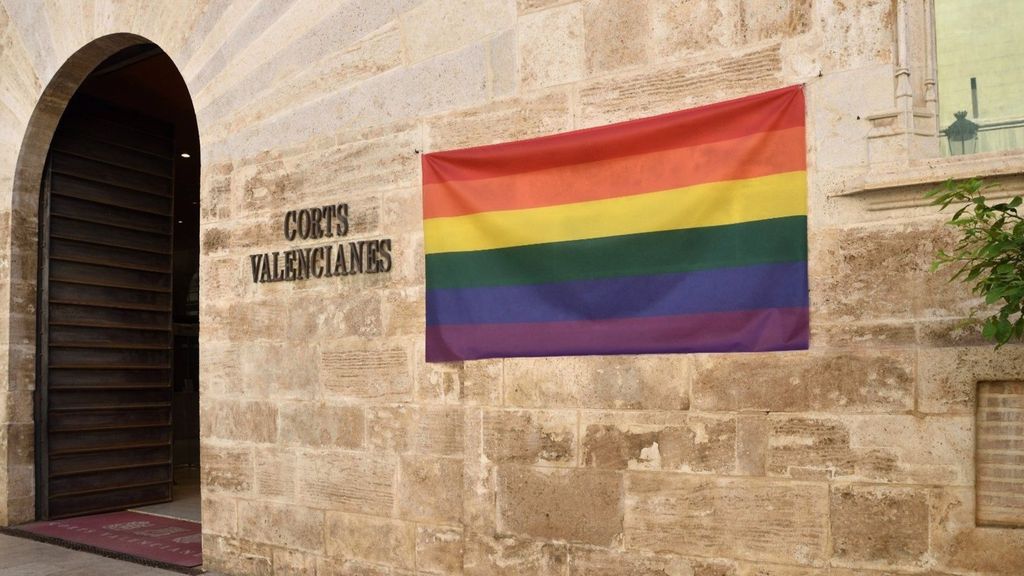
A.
x: 751, y: 156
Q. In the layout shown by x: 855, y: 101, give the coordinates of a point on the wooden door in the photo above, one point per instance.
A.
x: 105, y: 348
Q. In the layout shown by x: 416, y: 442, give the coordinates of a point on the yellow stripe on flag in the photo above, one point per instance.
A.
x: 712, y: 204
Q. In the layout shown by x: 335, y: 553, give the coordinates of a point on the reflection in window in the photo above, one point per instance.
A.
x: 980, y: 57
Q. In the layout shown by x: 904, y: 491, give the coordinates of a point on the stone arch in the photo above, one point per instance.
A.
x: 19, y: 458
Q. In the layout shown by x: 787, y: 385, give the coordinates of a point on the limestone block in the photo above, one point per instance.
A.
x: 428, y: 489
x: 402, y: 312
x: 530, y: 437
x: 315, y: 424
x: 616, y: 34
x: 879, y: 448
x: 348, y: 371
x: 389, y: 428
x: 275, y: 472
x: 874, y: 335
x: 462, y: 22
x: 883, y: 272
x: 285, y: 525
x: 438, y: 550
x: 525, y: 6
x: 859, y: 37
x: 357, y: 482
x: 274, y: 370
x: 637, y: 94
x: 949, y: 376
x: 528, y: 116
x: 761, y: 569
x: 727, y: 517
x: 238, y: 420
x: 227, y: 468
x: 504, y: 73
x: 488, y: 555
x: 234, y: 556
x: 763, y: 20
x: 294, y: 562
x: 609, y: 382
x: 439, y: 430
x: 479, y: 511
x: 959, y: 546
x: 378, y: 540
x: 680, y: 28
x: 220, y: 515
x: 551, y: 47
x: 591, y: 561
x: 951, y: 333
x: 842, y: 381
x: 658, y: 441
x: 576, y: 505
x: 752, y: 432
x: 879, y: 526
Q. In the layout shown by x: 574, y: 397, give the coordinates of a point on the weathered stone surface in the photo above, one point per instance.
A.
x: 518, y: 118
x: 324, y: 425
x: 220, y: 515
x: 227, y: 467
x: 949, y: 376
x: 659, y: 441
x: 282, y: 525
x: 719, y: 517
x: 880, y: 526
x: 616, y: 33
x: 530, y: 437
x: 610, y: 382
x: 428, y: 489
x: 604, y: 562
x: 238, y: 420
x: 234, y: 556
x: 383, y: 374
x: 275, y: 472
x: 551, y: 47
x: 877, y: 381
x: 762, y: 20
x: 575, y: 505
x: 464, y: 22
x: 488, y: 555
x: 667, y: 89
x: 904, y: 449
x: 959, y: 546
x: 439, y: 550
x: 378, y: 540
x: 348, y: 481
x: 752, y: 432
x: 680, y: 28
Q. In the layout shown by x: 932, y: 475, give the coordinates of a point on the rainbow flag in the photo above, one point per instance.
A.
x: 685, y: 232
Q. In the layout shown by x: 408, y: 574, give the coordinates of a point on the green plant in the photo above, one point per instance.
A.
x: 988, y: 254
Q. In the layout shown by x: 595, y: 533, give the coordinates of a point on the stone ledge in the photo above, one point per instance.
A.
x: 898, y: 185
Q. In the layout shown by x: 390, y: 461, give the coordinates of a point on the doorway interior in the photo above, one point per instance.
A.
x: 117, y: 400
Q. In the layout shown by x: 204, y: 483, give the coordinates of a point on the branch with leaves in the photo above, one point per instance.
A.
x: 989, y: 253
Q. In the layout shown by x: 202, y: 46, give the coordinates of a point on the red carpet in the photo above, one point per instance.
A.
x: 167, y: 540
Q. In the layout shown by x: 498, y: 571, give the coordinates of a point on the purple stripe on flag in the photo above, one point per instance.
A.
x: 743, y: 331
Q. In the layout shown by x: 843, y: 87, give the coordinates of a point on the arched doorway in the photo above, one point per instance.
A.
x: 116, y: 399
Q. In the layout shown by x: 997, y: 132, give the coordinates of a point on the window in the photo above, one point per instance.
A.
x: 980, y: 58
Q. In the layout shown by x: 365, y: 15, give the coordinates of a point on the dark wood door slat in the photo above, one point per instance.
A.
x: 81, y: 429
x: 110, y: 448
x: 107, y: 195
x: 101, y: 235
x: 105, y: 174
x: 125, y: 258
x: 111, y: 488
x: 87, y: 211
x: 151, y: 464
x: 112, y: 305
x: 113, y: 155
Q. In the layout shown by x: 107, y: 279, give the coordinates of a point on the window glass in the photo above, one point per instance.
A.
x: 980, y: 54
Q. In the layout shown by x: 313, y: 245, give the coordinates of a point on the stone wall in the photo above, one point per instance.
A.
x: 329, y: 447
